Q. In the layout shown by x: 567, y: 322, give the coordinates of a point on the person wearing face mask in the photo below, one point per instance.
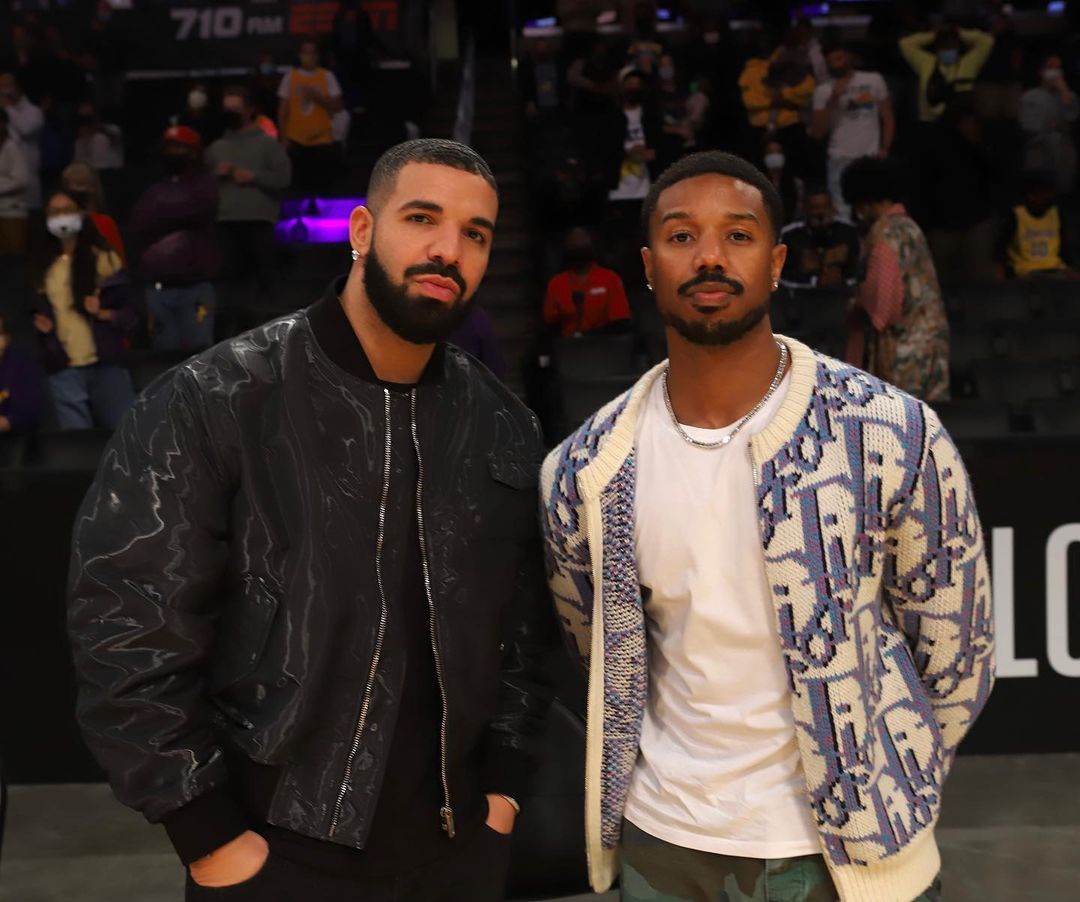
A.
x: 946, y: 62
x: 82, y: 182
x: 1036, y: 236
x: 853, y: 111
x: 310, y: 96
x: 778, y: 168
x: 1048, y: 115
x: 20, y: 387
x: 585, y: 297
x: 198, y: 114
x: 252, y: 171
x: 173, y: 225
x: 898, y: 328
x: 630, y: 137
x: 823, y: 250
x: 83, y: 317
x: 14, y: 184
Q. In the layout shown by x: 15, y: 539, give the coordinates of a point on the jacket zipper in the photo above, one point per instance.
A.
x: 365, y: 704
x: 446, y: 813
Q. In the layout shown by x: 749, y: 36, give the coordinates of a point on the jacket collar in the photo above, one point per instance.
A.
x: 618, y: 444
x: 335, y: 336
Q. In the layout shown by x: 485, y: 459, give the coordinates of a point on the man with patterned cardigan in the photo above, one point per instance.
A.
x: 772, y: 565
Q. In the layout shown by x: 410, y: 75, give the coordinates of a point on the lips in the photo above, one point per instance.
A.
x: 711, y: 293
x: 438, y: 287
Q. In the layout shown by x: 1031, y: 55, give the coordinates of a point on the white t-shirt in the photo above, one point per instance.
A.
x: 634, y: 182
x: 719, y: 769
x: 856, y: 120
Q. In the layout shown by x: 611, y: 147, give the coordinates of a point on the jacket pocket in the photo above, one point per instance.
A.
x: 242, y: 632
x: 509, y: 499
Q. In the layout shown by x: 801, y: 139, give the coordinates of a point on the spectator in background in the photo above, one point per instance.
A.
x: 777, y: 88
x: 353, y: 42
x: 585, y: 297
x: 1035, y: 238
x: 698, y: 105
x: 98, y: 143
x: 14, y: 183
x: 946, y: 62
x: 1048, y: 115
x: 854, y: 112
x: 956, y: 175
x: 263, y: 86
x: 309, y: 97
x: 20, y: 387
x: 25, y: 122
x: 252, y: 171
x: 104, y: 57
x: 82, y: 182
x: 477, y: 337
x: 541, y: 82
x: 198, y: 114
x: 899, y: 331
x: 777, y: 166
x: 173, y: 225
x: 592, y: 83
x: 823, y: 251
x: 84, y: 316
x: 631, y: 136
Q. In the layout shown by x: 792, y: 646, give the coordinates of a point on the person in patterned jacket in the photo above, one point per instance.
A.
x: 772, y: 566
x: 899, y: 331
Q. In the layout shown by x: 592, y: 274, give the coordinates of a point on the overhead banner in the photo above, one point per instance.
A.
x: 190, y: 35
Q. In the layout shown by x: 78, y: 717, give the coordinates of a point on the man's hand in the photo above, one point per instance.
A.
x: 243, y: 176
x: 236, y: 861
x: 501, y: 814
x: 43, y: 324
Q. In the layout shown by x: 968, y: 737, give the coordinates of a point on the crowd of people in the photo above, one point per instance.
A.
x: 908, y: 167
x: 101, y: 258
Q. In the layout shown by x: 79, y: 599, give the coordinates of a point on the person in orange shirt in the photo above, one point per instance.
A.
x: 586, y: 297
x: 309, y: 96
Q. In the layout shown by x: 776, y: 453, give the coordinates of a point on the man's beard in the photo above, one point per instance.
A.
x: 715, y: 334
x: 418, y: 320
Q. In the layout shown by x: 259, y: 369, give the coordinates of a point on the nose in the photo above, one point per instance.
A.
x: 711, y: 253
x: 446, y: 246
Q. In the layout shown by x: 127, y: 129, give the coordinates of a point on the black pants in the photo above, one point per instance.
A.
x: 475, y: 872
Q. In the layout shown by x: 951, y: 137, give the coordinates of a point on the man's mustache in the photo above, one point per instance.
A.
x: 438, y: 269
x: 711, y: 276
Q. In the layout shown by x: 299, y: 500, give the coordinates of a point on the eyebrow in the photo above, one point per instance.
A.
x: 431, y: 207
x: 682, y: 214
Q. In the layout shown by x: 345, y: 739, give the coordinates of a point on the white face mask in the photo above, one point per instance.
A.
x: 774, y: 161
x: 197, y: 100
x: 64, y: 225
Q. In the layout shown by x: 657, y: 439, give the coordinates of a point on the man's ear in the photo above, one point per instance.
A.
x: 779, y: 255
x: 647, y: 261
x: 361, y: 230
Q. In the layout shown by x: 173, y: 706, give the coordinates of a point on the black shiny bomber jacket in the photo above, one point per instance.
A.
x: 224, y: 589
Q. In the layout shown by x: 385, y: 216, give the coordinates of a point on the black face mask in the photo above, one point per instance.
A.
x: 233, y: 120
x: 634, y: 98
x: 175, y: 163
x: 578, y: 257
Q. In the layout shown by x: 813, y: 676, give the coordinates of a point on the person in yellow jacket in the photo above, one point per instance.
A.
x: 947, y: 61
x: 774, y: 101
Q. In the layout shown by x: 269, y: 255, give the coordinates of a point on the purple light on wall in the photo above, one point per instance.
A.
x: 320, y: 207
x: 305, y: 230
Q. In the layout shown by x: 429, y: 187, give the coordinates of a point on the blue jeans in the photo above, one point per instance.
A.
x: 85, y: 397
x: 183, y: 316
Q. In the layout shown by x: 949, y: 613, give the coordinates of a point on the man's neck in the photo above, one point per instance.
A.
x: 391, y: 357
x: 714, y: 387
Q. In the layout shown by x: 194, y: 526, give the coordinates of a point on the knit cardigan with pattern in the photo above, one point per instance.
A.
x: 874, y: 556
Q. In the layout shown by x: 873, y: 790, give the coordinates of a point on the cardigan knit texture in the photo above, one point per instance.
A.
x: 874, y: 555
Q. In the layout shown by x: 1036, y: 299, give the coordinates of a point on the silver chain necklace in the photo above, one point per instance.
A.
x: 726, y: 440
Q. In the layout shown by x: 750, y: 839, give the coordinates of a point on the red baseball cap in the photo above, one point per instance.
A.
x: 181, y: 134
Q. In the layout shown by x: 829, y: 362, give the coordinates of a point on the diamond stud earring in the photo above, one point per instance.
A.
x: 355, y: 254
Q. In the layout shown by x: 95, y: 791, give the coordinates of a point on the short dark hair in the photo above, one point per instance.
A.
x: 870, y: 180
x: 715, y: 162
x: 439, y: 151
